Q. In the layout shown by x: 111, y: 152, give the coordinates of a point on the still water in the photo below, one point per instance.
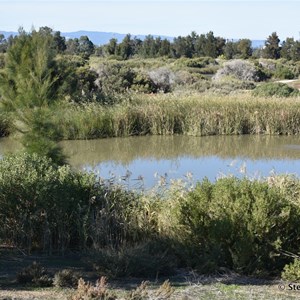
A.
x: 147, y: 160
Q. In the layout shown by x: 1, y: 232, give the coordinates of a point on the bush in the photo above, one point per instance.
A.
x: 283, y: 72
x: 163, y: 79
x: 87, y: 291
x: 34, y: 274
x: 114, y: 78
x: 42, y: 205
x: 101, y: 291
x: 143, y: 83
x: 239, y: 224
x: 65, y: 278
x: 239, y: 69
x: 291, y: 272
x: 275, y: 89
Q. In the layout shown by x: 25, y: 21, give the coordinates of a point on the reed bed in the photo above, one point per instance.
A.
x: 196, y: 115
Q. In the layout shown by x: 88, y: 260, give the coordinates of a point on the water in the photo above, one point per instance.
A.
x: 150, y: 159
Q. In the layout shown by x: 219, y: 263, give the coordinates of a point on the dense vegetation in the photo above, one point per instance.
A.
x: 240, y: 224
x: 52, y: 89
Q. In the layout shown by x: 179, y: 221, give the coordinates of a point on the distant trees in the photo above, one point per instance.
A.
x: 272, y: 48
x: 82, y: 46
x: 190, y: 46
x: 290, y: 49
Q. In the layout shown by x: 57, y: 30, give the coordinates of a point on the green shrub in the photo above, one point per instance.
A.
x: 114, y: 78
x: 239, y: 224
x: 275, y: 89
x: 42, y: 205
x: 143, y: 83
x: 291, y: 272
x: 283, y: 72
x: 34, y: 274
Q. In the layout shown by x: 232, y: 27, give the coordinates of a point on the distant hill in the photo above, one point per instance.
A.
x: 97, y: 37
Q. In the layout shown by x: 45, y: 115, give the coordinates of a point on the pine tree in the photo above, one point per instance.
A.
x: 272, y: 48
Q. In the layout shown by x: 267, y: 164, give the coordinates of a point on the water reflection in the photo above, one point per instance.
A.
x: 176, y: 156
x: 126, y: 150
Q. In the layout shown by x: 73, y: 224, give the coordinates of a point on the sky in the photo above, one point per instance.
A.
x: 235, y: 19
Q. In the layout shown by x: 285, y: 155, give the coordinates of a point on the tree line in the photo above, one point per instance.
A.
x: 192, y: 45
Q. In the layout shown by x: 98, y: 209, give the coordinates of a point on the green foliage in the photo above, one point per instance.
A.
x: 275, y: 89
x: 42, y: 205
x: 28, y: 79
x: 29, y: 86
x: 284, y: 72
x: 291, y: 272
x: 240, y: 225
x: 35, y: 275
x: 2, y: 60
x: 114, y: 78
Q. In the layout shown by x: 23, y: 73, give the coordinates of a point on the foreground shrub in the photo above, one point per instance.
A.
x: 291, y: 272
x: 34, y: 274
x: 42, y: 206
x: 101, y: 291
x: 66, y: 278
x: 275, y: 89
x: 241, y: 225
x: 86, y: 291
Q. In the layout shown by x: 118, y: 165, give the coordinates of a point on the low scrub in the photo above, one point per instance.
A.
x: 35, y: 275
x: 66, y: 278
x: 102, y: 291
x: 276, y: 89
x: 241, y: 225
x: 238, y: 69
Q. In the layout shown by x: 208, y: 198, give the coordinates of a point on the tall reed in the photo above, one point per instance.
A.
x: 194, y: 114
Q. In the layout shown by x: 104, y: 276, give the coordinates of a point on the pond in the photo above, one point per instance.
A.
x: 148, y: 160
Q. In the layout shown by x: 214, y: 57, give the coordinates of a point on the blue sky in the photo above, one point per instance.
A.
x: 230, y: 19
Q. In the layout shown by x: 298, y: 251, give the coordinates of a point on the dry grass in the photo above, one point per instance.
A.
x: 187, y: 284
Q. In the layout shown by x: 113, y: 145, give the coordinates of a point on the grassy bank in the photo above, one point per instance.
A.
x: 196, y: 114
